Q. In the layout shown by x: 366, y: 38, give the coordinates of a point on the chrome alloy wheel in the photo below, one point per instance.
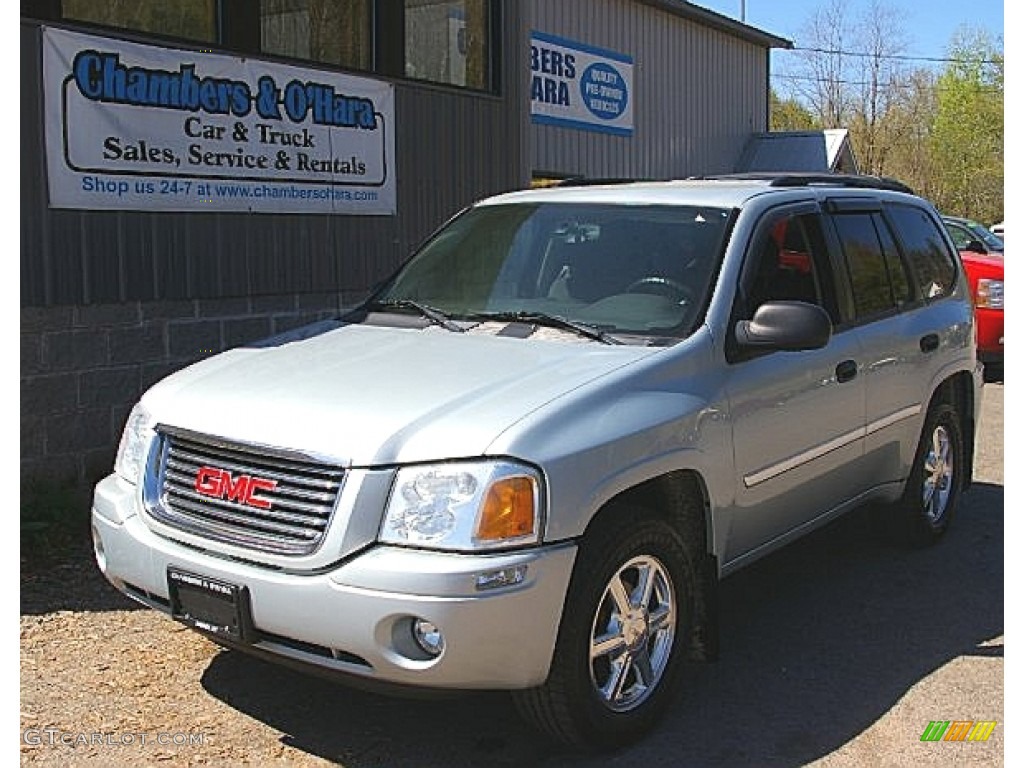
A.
x: 632, y: 634
x: 938, y: 474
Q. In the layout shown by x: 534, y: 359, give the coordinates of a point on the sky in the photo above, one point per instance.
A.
x: 929, y: 24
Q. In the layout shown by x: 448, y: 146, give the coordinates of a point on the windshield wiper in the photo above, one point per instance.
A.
x: 434, y: 315
x: 551, y: 321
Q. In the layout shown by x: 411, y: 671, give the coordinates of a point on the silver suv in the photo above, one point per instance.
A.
x: 528, y: 459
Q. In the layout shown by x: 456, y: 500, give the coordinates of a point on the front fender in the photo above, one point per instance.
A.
x: 660, y: 416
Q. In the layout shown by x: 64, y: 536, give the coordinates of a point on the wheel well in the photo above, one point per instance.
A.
x: 958, y: 391
x: 681, y: 499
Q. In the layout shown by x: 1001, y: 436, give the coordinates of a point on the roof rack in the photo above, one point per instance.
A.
x: 798, y: 179
x: 584, y: 181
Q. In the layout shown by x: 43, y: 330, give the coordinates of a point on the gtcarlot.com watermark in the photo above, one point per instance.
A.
x: 55, y: 737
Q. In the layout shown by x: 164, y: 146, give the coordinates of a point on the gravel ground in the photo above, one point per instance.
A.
x: 104, y: 683
x: 837, y: 651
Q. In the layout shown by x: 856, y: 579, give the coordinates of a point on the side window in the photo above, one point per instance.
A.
x: 931, y: 261
x: 896, y: 267
x: 961, y: 237
x: 877, y: 279
x: 789, y: 263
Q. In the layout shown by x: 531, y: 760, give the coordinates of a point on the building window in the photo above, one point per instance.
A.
x: 327, y: 31
x: 438, y: 41
x: 446, y: 41
x: 187, y: 19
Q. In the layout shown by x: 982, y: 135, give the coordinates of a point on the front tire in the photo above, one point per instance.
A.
x: 626, y: 624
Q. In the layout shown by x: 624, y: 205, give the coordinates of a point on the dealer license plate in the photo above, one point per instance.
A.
x: 212, y: 605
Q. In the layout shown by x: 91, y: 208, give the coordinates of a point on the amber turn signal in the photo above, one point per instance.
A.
x: 509, y: 510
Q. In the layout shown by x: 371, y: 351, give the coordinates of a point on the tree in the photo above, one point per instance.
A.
x: 820, y: 78
x: 941, y: 133
x: 788, y: 114
x: 966, y: 142
x: 908, y: 120
x: 878, y: 78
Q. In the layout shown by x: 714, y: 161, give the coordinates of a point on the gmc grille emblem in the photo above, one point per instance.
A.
x: 219, y: 483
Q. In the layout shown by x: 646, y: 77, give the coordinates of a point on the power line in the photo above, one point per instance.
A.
x: 887, y: 84
x: 895, y: 56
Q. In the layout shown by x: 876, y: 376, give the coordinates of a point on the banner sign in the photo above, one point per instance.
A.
x: 580, y: 86
x: 137, y: 127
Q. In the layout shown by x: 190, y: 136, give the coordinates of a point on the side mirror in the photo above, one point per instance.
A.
x: 786, y: 325
x: 975, y: 246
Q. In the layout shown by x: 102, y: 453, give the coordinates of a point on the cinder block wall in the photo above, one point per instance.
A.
x: 84, y: 367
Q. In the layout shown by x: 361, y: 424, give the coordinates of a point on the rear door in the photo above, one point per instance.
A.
x: 901, y: 274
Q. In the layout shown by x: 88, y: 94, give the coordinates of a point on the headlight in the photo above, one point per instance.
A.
x: 990, y: 294
x: 135, y: 442
x: 464, y: 506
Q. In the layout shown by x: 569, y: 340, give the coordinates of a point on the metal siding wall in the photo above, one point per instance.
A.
x: 452, y: 147
x: 698, y: 92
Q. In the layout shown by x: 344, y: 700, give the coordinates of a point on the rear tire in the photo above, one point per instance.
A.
x: 626, y: 625
x: 933, y: 490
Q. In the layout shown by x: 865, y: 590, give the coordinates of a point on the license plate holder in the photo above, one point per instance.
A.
x: 217, y: 607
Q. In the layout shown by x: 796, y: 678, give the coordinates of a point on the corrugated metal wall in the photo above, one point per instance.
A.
x: 452, y: 147
x: 698, y: 93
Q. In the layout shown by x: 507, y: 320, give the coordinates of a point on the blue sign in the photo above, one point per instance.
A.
x: 575, y: 85
x: 604, y: 91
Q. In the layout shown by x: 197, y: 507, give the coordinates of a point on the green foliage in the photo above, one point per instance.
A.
x: 940, y: 132
x: 789, y: 114
x: 966, y: 142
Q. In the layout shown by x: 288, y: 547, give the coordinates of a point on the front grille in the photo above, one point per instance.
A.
x: 248, y: 496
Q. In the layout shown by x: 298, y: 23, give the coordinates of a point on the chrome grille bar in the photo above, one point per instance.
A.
x: 288, y: 515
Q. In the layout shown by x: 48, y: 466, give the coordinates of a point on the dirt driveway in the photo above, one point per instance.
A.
x: 836, y: 652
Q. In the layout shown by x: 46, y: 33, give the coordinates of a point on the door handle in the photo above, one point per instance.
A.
x: 846, y: 371
x: 930, y: 342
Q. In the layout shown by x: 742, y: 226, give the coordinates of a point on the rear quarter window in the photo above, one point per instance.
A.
x: 932, y: 263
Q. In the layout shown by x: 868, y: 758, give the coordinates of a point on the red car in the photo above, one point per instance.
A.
x: 985, y: 274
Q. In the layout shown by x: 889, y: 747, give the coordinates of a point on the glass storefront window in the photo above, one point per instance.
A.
x: 446, y: 41
x: 187, y: 19
x: 328, y: 31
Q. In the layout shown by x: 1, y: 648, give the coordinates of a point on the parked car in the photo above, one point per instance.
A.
x: 985, y: 274
x: 982, y: 255
x: 527, y: 460
x: 971, y: 236
x: 998, y: 230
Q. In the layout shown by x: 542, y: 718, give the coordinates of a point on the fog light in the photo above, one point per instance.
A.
x: 97, y: 546
x: 428, y: 637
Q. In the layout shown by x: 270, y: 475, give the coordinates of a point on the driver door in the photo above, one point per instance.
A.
x: 797, y: 417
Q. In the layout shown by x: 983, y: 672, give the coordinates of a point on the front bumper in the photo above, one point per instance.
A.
x: 355, y: 618
x: 990, y: 335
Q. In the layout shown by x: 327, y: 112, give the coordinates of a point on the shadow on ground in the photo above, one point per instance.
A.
x: 69, y: 581
x: 819, y: 641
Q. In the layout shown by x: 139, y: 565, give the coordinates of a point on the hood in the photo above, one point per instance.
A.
x: 368, y: 396
x: 992, y: 260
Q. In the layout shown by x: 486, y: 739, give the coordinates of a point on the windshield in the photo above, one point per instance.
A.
x: 963, y: 231
x: 987, y: 237
x: 633, y: 269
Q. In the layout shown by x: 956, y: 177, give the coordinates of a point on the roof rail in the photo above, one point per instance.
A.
x: 584, y: 181
x: 799, y: 179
